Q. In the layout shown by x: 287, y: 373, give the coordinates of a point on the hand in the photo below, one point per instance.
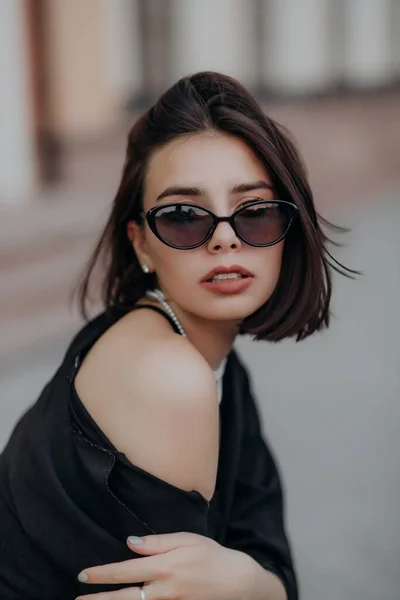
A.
x: 177, y: 566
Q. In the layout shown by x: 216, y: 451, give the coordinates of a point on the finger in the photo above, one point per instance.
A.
x: 158, y: 544
x: 135, y: 570
x: 132, y: 593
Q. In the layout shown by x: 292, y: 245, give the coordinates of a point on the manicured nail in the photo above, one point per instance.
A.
x: 135, y: 541
x: 82, y: 577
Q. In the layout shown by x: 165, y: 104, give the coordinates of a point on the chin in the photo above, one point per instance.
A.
x: 232, y: 308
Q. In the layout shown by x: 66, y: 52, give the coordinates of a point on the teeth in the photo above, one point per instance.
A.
x: 223, y: 276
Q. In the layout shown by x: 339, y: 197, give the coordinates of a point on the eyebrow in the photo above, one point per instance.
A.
x: 248, y: 187
x: 176, y: 190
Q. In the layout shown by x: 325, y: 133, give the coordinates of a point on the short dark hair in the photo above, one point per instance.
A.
x: 205, y: 101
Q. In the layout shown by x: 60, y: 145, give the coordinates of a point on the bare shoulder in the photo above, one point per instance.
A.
x: 142, y: 354
x: 155, y: 397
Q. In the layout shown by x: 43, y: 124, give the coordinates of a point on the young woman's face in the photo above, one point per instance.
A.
x: 213, y: 163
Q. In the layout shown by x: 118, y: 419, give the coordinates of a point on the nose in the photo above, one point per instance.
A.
x: 223, y: 238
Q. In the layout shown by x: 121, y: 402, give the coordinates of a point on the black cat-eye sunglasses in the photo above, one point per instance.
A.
x: 257, y: 222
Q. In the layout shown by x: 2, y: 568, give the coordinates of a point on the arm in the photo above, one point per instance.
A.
x: 188, y: 564
x: 256, y: 524
x: 164, y: 399
x: 177, y: 409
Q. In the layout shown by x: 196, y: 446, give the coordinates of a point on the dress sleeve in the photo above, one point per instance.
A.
x: 256, y: 524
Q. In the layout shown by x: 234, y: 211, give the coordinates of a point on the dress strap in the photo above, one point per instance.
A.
x: 159, y: 310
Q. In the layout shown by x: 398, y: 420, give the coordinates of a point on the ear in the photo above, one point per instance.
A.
x: 137, y: 238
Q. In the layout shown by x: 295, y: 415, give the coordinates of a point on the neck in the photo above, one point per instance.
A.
x: 213, y: 339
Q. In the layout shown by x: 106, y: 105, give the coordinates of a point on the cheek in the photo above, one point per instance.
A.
x: 167, y: 261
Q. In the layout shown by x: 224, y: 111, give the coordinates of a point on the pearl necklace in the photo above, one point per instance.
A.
x: 158, y: 295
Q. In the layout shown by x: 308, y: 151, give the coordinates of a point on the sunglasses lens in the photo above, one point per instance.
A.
x: 263, y: 224
x: 183, y: 225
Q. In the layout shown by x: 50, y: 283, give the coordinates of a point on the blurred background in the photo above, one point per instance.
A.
x: 74, y: 76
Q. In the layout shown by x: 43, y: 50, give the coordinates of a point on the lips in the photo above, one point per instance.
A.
x: 231, y: 269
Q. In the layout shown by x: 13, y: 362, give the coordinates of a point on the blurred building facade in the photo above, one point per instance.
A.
x: 69, y: 68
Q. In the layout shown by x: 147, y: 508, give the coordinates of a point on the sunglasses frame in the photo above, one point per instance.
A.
x: 150, y: 217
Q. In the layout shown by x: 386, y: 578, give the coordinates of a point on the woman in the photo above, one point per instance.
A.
x: 212, y: 234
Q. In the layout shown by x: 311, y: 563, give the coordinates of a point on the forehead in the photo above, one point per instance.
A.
x: 214, y: 161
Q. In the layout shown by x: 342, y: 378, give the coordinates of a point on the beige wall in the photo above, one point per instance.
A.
x: 80, y: 104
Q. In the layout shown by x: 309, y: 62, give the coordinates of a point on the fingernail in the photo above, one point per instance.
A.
x: 135, y: 541
x: 82, y: 577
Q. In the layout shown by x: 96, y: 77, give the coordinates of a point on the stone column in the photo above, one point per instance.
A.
x: 17, y: 170
x: 79, y: 94
x: 123, y: 51
x: 216, y: 35
x: 369, y: 58
x: 395, y: 29
x: 297, y: 46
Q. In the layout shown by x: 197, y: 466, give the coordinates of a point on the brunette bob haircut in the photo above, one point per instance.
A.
x: 299, y: 305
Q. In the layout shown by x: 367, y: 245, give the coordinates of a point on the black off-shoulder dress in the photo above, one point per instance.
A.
x: 69, y: 498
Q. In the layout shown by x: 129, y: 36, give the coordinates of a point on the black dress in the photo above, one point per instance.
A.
x: 69, y: 499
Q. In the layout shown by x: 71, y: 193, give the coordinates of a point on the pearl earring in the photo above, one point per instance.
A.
x: 145, y: 269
